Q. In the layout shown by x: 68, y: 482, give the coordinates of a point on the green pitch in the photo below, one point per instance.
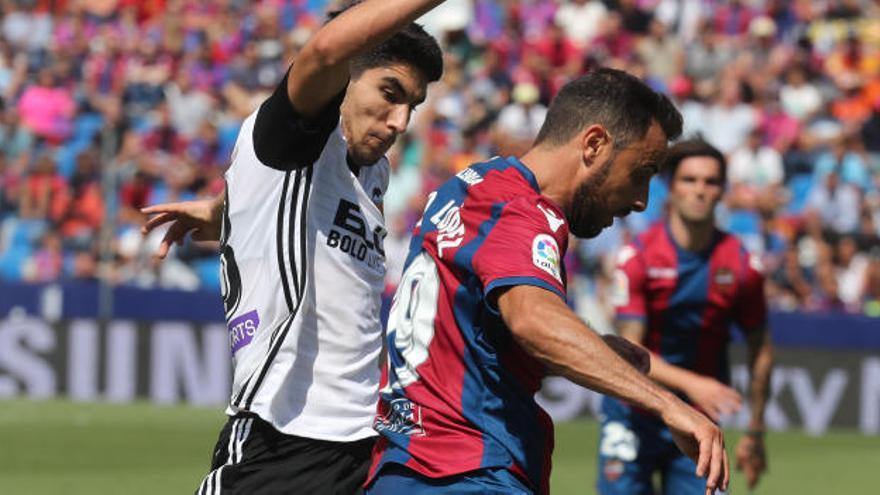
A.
x: 68, y: 448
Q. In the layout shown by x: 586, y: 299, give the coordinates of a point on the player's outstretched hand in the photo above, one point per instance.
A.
x: 635, y: 355
x: 713, y: 397
x: 701, y: 440
x: 201, y: 217
x: 751, y: 458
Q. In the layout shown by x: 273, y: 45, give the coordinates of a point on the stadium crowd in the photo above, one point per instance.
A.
x: 107, y: 106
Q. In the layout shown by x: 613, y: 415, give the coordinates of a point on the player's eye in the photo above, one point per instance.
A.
x: 390, y: 96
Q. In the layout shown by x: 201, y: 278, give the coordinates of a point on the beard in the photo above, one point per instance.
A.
x: 364, y: 156
x: 587, y: 210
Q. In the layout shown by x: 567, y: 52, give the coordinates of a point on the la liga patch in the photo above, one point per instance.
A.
x: 545, y: 255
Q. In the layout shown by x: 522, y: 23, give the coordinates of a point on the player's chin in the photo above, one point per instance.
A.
x: 588, y: 231
x: 365, y: 156
x: 700, y: 216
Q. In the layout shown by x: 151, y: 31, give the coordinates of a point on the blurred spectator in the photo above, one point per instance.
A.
x: 43, y: 192
x: 682, y: 16
x: 799, y: 98
x: 707, y: 55
x: 853, y: 61
x: 188, y: 105
x: 755, y: 165
x: 844, y: 158
x: 84, y: 266
x: 851, y: 269
x: 581, y: 20
x: 662, y: 53
x: 732, y: 18
x: 46, y: 263
x: 836, y: 203
x: 635, y: 19
x: 871, y: 130
x: 519, y: 122
x: 149, y: 97
x: 728, y: 120
x: 47, y: 109
x: 84, y: 210
x: 24, y: 26
x: 613, y: 43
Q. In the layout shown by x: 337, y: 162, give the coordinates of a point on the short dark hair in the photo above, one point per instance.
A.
x: 682, y: 150
x: 411, y: 45
x: 620, y: 102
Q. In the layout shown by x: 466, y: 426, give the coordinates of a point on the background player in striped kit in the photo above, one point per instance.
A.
x: 480, y: 316
x: 301, y: 235
x: 679, y: 287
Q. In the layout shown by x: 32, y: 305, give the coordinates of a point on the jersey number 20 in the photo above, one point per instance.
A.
x: 411, y: 320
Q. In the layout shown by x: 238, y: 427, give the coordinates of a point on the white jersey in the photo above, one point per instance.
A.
x: 303, y: 271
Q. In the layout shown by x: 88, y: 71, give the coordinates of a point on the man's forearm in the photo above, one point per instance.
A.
x: 366, y: 25
x: 760, y: 350
x: 322, y: 68
x: 557, y: 337
x: 668, y: 375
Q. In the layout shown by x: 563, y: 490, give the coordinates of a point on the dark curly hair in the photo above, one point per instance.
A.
x: 411, y: 45
x: 680, y: 151
x: 620, y: 102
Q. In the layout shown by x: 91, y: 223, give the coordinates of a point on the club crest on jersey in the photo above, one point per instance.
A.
x: 723, y: 276
x: 545, y: 255
x: 242, y: 330
x: 613, y: 470
x: 403, y: 417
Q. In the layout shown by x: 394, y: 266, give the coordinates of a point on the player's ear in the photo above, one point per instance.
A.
x: 593, y: 141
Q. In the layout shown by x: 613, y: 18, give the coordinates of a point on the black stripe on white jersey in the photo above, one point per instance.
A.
x: 291, y: 228
x: 230, y: 275
x: 280, y: 332
x: 283, y: 206
x: 279, y: 240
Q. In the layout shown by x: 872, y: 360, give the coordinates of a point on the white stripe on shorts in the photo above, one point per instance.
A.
x: 235, y: 451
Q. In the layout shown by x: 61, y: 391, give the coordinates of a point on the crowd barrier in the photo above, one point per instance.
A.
x: 170, y: 347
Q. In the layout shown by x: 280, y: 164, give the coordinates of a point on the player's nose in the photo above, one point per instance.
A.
x: 640, y: 202
x: 398, y: 118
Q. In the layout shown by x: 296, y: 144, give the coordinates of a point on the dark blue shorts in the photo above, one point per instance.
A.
x: 632, y: 447
x: 395, y: 479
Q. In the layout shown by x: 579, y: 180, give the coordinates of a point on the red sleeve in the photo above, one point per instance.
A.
x: 751, y: 309
x: 628, y: 291
x: 525, y: 247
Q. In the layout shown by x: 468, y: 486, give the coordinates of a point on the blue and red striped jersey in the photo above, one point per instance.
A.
x: 689, y: 300
x: 458, y: 392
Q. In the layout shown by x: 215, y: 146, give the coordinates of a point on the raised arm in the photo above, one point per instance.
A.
x: 548, y: 330
x: 321, y: 71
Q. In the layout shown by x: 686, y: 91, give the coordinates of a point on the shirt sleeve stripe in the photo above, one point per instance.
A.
x: 509, y: 281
